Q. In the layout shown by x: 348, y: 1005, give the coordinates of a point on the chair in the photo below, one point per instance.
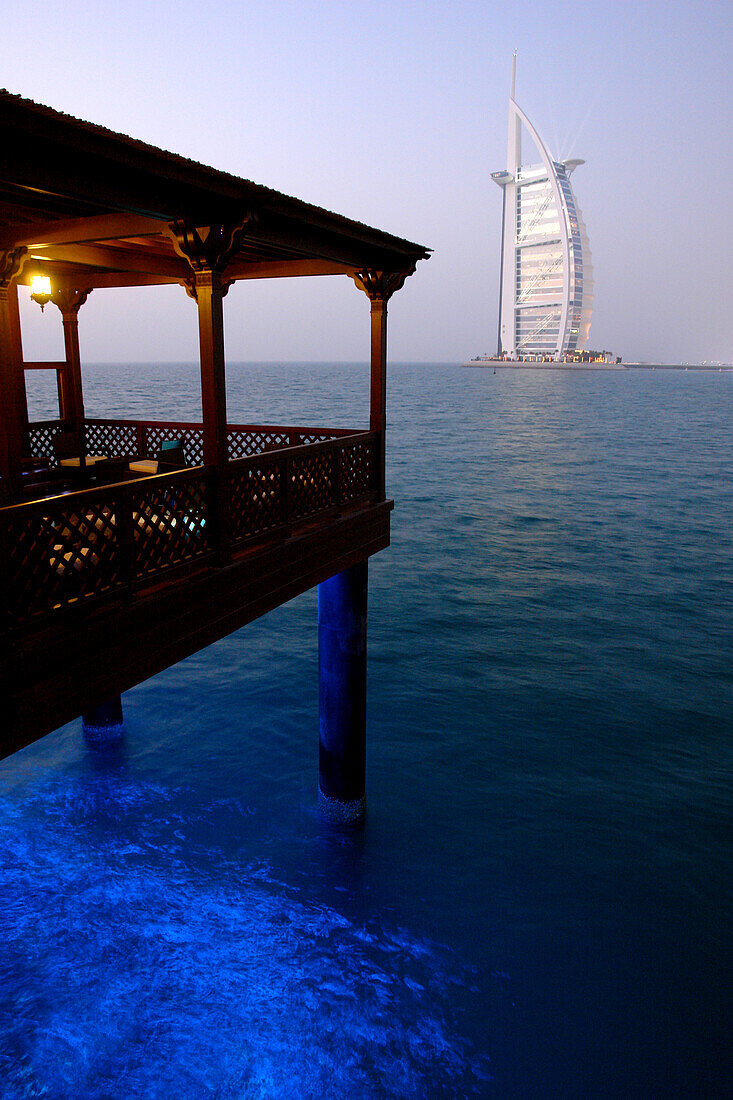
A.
x: 67, y: 451
x: 65, y: 445
x: 170, y: 457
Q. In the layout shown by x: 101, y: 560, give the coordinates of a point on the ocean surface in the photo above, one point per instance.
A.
x: 539, y: 902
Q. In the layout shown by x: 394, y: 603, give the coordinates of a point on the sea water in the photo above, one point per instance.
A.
x: 537, y: 905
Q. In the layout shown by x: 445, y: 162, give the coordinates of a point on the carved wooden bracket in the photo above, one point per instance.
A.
x: 70, y: 300
x: 208, y: 247
x: 189, y: 285
x: 11, y: 264
x: 379, y: 286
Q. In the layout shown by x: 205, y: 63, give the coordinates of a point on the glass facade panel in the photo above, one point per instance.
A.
x: 540, y: 264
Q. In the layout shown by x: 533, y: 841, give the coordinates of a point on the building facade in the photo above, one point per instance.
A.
x: 546, y: 286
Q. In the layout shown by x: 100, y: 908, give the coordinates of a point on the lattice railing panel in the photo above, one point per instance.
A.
x: 112, y: 438
x: 244, y: 442
x: 311, y: 483
x: 313, y: 437
x: 169, y: 524
x: 192, y: 436
x: 69, y: 548
x: 142, y: 438
x: 59, y: 555
x: 257, y: 499
x: 41, y: 438
x: 358, y: 471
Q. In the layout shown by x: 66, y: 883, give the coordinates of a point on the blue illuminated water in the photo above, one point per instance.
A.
x: 538, y: 905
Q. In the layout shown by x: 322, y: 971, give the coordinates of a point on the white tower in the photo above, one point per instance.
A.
x: 546, y: 286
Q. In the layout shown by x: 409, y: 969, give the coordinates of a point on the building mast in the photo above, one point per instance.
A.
x: 507, y: 182
x: 514, y: 142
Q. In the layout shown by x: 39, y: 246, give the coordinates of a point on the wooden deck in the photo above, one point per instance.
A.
x: 104, y: 587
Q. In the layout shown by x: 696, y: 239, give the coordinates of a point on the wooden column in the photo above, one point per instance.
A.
x: 378, y: 387
x: 208, y: 287
x: 71, y: 394
x: 208, y: 249
x: 210, y: 290
x: 379, y: 286
x: 13, y: 404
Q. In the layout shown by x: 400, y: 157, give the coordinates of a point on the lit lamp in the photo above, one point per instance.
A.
x: 41, y: 289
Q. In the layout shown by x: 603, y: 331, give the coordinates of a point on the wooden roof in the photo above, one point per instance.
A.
x: 94, y: 207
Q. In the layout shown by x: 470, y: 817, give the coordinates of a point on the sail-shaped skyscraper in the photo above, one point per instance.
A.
x: 546, y: 288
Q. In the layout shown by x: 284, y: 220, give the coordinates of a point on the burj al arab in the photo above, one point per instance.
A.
x: 546, y: 286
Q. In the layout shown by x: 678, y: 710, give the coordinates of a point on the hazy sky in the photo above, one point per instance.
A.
x: 396, y: 114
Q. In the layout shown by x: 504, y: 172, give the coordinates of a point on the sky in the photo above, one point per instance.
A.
x: 395, y: 114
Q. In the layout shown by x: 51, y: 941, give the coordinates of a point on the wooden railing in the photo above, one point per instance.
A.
x: 277, y: 490
x: 142, y: 438
x: 41, y: 437
x: 111, y: 541
x: 99, y: 542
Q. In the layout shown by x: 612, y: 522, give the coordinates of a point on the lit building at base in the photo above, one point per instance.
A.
x: 546, y: 287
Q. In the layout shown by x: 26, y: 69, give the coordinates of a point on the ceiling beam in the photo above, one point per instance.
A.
x: 111, y: 279
x: 103, y: 227
x: 65, y: 275
x: 116, y: 259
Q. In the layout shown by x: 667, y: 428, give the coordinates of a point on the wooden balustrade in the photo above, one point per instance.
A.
x: 101, y: 542
x: 142, y: 438
x: 276, y: 490
x: 114, y: 540
x: 41, y: 437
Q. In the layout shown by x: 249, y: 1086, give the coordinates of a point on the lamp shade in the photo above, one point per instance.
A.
x: 41, y: 289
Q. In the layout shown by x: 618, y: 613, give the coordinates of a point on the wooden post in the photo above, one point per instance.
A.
x: 13, y: 407
x: 208, y: 248
x: 378, y: 389
x: 210, y: 291
x: 379, y: 286
x: 71, y: 403
x: 342, y: 671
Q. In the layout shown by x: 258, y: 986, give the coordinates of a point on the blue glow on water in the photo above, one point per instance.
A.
x: 130, y: 970
x: 538, y: 903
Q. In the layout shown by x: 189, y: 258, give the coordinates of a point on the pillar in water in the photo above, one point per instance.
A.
x: 105, y: 722
x: 342, y: 621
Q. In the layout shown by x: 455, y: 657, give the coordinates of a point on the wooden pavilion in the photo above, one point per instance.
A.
x: 108, y: 580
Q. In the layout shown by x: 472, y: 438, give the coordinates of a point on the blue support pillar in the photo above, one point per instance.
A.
x: 105, y: 722
x: 342, y: 622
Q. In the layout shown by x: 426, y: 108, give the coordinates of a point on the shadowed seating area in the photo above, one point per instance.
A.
x: 170, y: 457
